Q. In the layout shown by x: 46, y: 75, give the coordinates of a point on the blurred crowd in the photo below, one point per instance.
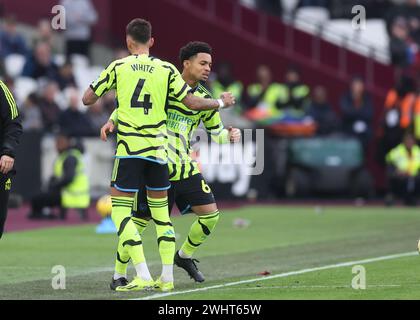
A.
x: 292, y: 107
x: 49, y: 92
x: 47, y: 80
x: 41, y: 72
x: 403, y: 25
x: 402, y: 19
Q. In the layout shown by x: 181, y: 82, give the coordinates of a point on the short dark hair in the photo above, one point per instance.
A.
x: 409, y: 133
x: 293, y: 69
x: 193, y: 48
x: 62, y: 133
x: 140, y: 30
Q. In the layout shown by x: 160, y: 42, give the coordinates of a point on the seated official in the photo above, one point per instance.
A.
x: 68, y: 187
x: 403, y: 169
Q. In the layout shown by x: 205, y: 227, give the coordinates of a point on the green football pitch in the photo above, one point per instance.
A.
x: 304, y: 252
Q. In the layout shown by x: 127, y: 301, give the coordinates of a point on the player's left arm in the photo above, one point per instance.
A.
x: 219, y: 134
x: 12, y: 129
x: 89, y: 97
x: 100, y: 86
x: 110, y: 125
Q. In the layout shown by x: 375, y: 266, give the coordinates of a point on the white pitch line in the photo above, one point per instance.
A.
x: 72, y: 273
x: 312, y: 287
x: 282, y: 275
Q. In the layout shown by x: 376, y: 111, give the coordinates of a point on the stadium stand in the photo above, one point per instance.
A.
x: 328, y: 51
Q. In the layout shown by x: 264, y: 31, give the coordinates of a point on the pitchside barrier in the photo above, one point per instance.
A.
x: 35, y: 163
x: 259, y: 167
x: 98, y: 158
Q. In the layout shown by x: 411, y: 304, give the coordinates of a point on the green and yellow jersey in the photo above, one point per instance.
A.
x: 181, y: 124
x: 142, y: 84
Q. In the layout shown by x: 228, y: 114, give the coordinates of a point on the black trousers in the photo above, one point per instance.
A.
x: 406, y: 188
x: 4, y: 198
x: 78, y: 47
x: 43, y: 200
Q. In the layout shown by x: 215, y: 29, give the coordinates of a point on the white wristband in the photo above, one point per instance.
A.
x: 221, y: 103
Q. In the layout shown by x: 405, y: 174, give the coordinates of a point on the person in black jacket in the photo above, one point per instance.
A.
x: 322, y: 112
x: 10, y: 132
x: 357, y: 112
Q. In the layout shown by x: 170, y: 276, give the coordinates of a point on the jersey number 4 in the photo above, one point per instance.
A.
x: 135, y: 103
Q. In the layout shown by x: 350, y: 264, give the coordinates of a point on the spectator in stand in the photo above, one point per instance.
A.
x: 45, y: 33
x: 65, y: 77
x: 272, y: 7
x: 320, y: 110
x: 409, y: 10
x: 342, y: 9
x: 121, y: 53
x: 226, y: 82
x: 313, y: 3
x: 398, y: 114
x: 376, y: 9
x: 403, y: 49
x: 49, y: 108
x: 417, y: 111
x: 40, y: 64
x: 357, y: 112
x: 403, y: 170
x: 10, y: 40
x: 98, y: 116
x: 264, y: 94
x: 81, y: 15
x: 74, y: 122
x: 293, y: 94
x: 32, y: 117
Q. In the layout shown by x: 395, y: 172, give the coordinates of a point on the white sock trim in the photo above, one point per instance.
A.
x: 167, y: 273
x: 119, y: 275
x: 143, y: 271
x: 183, y: 255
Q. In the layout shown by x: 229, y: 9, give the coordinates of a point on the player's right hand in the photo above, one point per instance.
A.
x: 106, y: 129
x: 6, y: 164
x: 234, y: 134
x: 228, y: 99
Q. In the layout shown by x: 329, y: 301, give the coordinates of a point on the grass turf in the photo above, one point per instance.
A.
x: 278, y: 239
